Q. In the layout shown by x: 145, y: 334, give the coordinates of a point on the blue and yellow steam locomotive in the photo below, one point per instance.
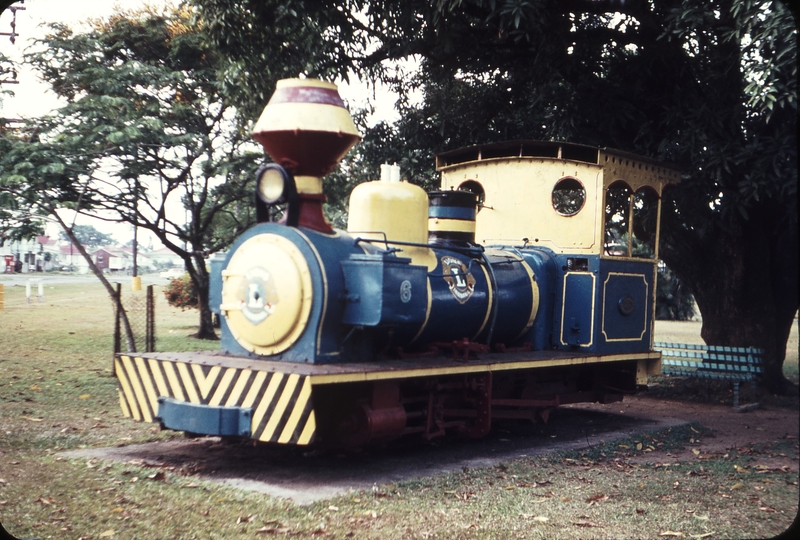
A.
x: 526, y: 282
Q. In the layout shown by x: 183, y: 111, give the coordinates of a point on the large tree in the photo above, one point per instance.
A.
x: 156, y: 142
x: 89, y: 236
x: 15, y: 224
x: 707, y: 85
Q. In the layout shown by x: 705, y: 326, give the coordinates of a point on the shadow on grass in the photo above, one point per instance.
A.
x: 306, y: 475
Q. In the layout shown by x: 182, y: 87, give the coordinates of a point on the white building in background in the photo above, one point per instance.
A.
x: 43, y: 254
x: 72, y: 260
x: 164, y: 258
x: 120, y: 259
x: 39, y: 254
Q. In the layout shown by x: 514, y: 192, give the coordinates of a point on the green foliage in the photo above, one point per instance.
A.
x: 181, y: 293
x: 694, y: 83
x: 7, y: 71
x: 89, y: 236
x: 145, y: 105
x: 710, y: 86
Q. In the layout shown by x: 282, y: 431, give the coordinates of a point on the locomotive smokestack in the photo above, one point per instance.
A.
x: 306, y: 129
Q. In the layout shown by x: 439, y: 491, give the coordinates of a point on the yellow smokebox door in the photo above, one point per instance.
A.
x: 267, y: 294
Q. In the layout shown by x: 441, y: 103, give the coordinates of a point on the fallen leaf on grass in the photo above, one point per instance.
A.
x: 704, y: 535
x: 107, y: 534
x: 695, y: 451
x: 737, y: 485
x: 671, y: 533
x: 541, y: 519
x: 765, y: 469
x: 597, y: 498
x: 42, y: 500
x: 587, y: 524
x: 157, y: 476
x: 273, y: 530
x: 84, y: 396
x: 527, y: 484
x: 32, y: 419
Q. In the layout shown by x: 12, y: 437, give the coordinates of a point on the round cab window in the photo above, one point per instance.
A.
x: 477, y: 189
x: 569, y: 196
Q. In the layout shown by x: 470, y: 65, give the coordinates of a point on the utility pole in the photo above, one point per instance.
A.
x: 135, y: 249
x: 13, y: 34
x: 9, y: 76
x: 136, y: 281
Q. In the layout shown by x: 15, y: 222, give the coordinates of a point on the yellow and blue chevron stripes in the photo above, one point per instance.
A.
x: 281, y: 402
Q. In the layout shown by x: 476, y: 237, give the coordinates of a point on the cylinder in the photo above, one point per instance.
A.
x: 451, y: 217
x: 136, y: 283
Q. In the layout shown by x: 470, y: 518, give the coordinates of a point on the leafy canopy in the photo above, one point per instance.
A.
x: 146, y: 136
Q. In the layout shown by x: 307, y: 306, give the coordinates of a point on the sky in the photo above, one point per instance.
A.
x: 32, y: 96
x: 33, y: 99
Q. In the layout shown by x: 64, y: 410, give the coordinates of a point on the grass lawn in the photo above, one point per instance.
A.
x: 57, y: 392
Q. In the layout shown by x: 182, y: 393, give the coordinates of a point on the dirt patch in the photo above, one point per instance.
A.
x: 305, y: 476
x: 727, y: 429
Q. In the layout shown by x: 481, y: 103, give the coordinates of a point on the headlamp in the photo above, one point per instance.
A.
x: 274, y: 184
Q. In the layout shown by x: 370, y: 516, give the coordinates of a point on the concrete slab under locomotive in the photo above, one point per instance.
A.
x: 306, y: 477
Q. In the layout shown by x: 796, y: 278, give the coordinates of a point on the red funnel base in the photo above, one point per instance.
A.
x: 310, y: 213
x: 306, y: 153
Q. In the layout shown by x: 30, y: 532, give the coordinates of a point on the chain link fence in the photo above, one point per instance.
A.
x: 139, y: 309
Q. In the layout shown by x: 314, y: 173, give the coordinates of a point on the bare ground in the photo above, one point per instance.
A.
x: 769, y: 432
x: 772, y: 420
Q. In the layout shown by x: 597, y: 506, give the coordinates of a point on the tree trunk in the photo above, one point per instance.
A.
x: 126, y: 325
x: 196, y: 266
x: 745, y: 284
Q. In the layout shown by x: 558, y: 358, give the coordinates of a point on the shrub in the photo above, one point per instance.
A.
x: 180, y: 293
